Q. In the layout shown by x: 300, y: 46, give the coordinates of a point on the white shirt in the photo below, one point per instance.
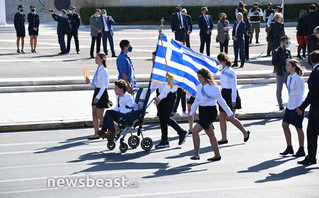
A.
x: 125, y: 103
x: 228, y: 80
x: 102, y: 80
x: 296, y: 88
x: 214, y: 95
x: 106, y: 28
x: 163, y: 89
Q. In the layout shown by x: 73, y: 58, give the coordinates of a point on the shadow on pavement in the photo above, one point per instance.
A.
x: 262, y: 122
x: 252, y: 86
x: 287, y: 174
x: 8, y: 54
x: 267, y: 164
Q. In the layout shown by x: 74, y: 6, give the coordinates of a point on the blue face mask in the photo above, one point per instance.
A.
x: 104, y: 15
x: 130, y: 49
x: 70, y: 11
x: 287, y: 46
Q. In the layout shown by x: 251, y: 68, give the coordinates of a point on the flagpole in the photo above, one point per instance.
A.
x: 283, y: 8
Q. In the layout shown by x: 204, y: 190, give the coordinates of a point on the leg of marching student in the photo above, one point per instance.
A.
x: 223, y: 125
x: 213, y: 141
x: 301, y: 137
x: 285, y: 127
x: 196, y: 140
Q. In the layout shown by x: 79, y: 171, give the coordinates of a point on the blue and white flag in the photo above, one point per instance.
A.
x: 183, y: 64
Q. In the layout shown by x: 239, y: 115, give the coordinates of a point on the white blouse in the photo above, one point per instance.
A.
x: 125, y: 103
x: 296, y: 88
x: 228, y: 80
x: 102, y: 80
x: 208, y: 95
x: 163, y: 89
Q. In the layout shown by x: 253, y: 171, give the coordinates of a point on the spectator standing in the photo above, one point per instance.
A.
x: 19, y: 20
x: 223, y: 33
x: 63, y: 28
x: 179, y: 25
x: 74, y: 20
x: 189, y: 23
x: 279, y: 57
x: 205, y: 23
x: 241, y: 8
x: 239, y: 37
x: 108, y: 32
x: 96, y: 24
x: 277, y: 30
x: 268, y: 12
x: 301, y: 35
x: 255, y: 15
x: 313, y: 44
x: 247, y: 34
x: 34, y: 22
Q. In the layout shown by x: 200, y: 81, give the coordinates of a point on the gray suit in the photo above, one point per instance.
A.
x: 96, y: 25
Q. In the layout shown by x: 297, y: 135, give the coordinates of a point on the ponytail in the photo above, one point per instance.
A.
x: 104, y: 61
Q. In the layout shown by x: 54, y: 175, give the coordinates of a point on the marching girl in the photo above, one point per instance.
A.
x: 228, y: 82
x: 100, y: 99
x: 205, y: 99
x: 296, y: 87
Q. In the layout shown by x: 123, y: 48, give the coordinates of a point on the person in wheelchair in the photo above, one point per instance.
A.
x: 124, y: 105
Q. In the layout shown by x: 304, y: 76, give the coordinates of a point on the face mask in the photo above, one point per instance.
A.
x: 206, y: 12
x: 287, y: 46
x: 104, y: 15
x: 98, y: 15
x: 177, y: 10
x: 238, y: 18
x: 223, y: 18
x: 33, y: 10
x: 60, y: 14
x: 70, y: 11
x: 21, y: 10
x: 130, y: 49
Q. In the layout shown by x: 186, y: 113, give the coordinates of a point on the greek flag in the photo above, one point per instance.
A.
x: 183, y: 64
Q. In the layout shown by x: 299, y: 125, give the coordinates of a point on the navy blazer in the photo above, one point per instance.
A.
x: 175, y: 23
x: 313, y: 94
x: 203, y: 24
x: 19, y: 20
x: 311, y: 22
x: 109, y: 24
x: 240, y: 31
x: 189, y: 22
x: 63, y: 23
x: 74, y: 21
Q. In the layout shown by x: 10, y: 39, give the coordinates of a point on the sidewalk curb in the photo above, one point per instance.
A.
x: 67, y: 124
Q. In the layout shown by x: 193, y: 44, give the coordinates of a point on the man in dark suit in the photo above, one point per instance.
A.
x: 74, y: 20
x: 96, y: 24
x: 311, y: 20
x: 189, y: 23
x: 313, y: 117
x: 205, y: 23
x: 239, y: 40
x: 179, y: 24
x: 63, y: 28
x: 107, y: 33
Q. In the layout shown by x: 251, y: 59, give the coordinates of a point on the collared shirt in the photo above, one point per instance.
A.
x: 296, y: 87
x: 228, y: 80
x: 207, y: 20
x: 125, y: 103
x: 163, y: 89
x: 102, y: 80
x: 208, y: 95
x: 180, y: 18
x: 105, y: 21
x: 124, y: 66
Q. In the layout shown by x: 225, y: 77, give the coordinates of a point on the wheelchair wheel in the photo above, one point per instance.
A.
x: 147, y: 144
x: 123, y: 147
x: 111, y: 145
x: 133, y: 141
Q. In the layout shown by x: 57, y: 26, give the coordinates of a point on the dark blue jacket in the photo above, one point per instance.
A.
x: 240, y: 34
x: 74, y: 20
x: 203, y: 24
x: 63, y: 23
x: 110, y: 24
x: 311, y: 22
x: 175, y: 22
x: 19, y: 20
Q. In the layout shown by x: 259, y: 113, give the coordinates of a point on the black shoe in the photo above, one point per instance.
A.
x: 93, y: 138
x: 92, y: 56
x: 234, y: 65
x: 195, y: 158
x: 189, y: 132
x: 281, y: 108
x: 78, y: 52
x: 62, y: 53
x: 241, y: 66
x: 114, y: 55
x: 18, y: 51
x: 268, y: 54
x: 247, y: 138
x: 223, y: 142
x: 304, y: 56
x: 22, y: 52
x: 257, y: 42
x: 307, y: 161
x: 288, y: 150
x: 300, y: 152
x: 182, y: 137
x: 162, y: 144
x: 214, y: 159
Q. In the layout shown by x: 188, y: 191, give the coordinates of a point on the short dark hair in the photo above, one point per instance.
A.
x: 124, y: 43
x: 283, y: 38
x: 121, y: 84
x: 64, y: 11
x: 204, y: 8
x: 314, y: 56
x: 312, y: 7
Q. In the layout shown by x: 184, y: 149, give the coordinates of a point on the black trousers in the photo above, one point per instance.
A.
x: 76, y: 41
x: 180, y: 35
x: 205, y: 39
x: 239, y: 46
x: 164, y: 109
x: 98, y: 43
x: 224, y: 46
x: 312, y: 136
x: 109, y: 118
x: 181, y: 96
x: 188, y: 44
x: 62, y: 42
x: 247, y: 47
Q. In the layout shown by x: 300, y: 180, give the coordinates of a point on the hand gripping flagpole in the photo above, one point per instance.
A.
x: 169, y: 76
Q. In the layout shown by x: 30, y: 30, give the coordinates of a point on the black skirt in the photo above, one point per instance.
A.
x: 191, y: 100
x: 20, y: 32
x: 32, y: 31
x: 207, y: 115
x: 226, y: 94
x: 104, y: 100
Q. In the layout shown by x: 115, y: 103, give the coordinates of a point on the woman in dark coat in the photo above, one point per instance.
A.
x: 19, y: 20
x: 247, y: 34
x: 34, y: 21
x: 277, y: 30
x: 301, y: 34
